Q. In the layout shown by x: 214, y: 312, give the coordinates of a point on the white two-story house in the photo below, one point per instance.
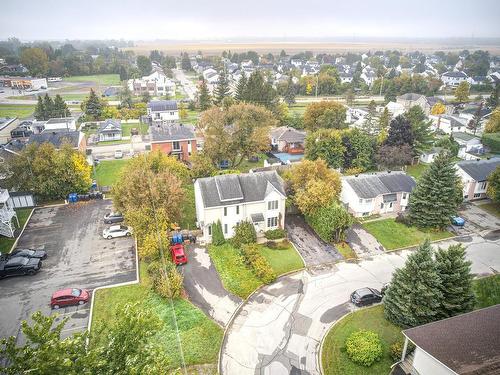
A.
x: 378, y: 193
x: 256, y: 197
x: 163, y: 110
x: 474, y: 175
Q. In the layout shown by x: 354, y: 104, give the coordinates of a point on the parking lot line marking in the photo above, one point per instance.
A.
x: 75, y: 328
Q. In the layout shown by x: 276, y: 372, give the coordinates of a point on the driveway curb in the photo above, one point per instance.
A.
x: 22, y: 230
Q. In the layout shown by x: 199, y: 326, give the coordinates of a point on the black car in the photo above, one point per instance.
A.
x: 365, y: 296
x: 19, y: 266
x: 113, y: 217
x: 29, y: 253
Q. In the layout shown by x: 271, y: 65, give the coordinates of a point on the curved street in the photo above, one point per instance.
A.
x: 280, y: 328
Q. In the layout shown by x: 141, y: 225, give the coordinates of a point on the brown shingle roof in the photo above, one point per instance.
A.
x: 467, y: 343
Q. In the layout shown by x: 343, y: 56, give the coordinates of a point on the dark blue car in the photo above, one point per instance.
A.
x: 457, y: 221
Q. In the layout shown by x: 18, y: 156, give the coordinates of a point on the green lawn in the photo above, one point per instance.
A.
x: 246, y: 165
x: 192, y: 117
x: 16, y: 110
x: 238, y: 278
x: 346, y: 251
x: 117, y: 142
x: 487, y: 291
x: 126, y: 128
x: 108, y: 171
x: 416, y: 170
x: 5, y: 242
x: 492, y: 208
x: 101, y: 79
x: 334, y: 357
x: 297, y: 108
x: 200, y: 337
x: 394, y: 235
x: 188, y: 220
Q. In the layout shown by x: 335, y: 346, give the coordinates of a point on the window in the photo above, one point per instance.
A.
x: 482, y: 185
x: 237, y: 210
x: 404, y: 195
x: 272, y: 222
x: 368, y: 201
x: 360, y: 200
x: 209, y: 230
x: 225, y: 228
x: 171, y: 113
x: 477, y: 195
x: 176, y: 145
x: 225, y: 211
x: 272, y: 205
x: 381, y: 205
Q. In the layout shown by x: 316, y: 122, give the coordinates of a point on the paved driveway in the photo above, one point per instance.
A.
x: 279, y: 330
x: 362, y: 242
x: 204, y: 287
x: 313, y: 249
x: 78, y: 256
x: 478, y: 220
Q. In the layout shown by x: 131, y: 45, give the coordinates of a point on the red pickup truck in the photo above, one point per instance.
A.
x: 178, y: 254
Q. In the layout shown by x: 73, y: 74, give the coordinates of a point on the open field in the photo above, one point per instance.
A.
x: 339, y: 46
x: 16, y: 110
x: 102, y: 79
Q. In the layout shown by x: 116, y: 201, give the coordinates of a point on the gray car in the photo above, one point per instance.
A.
x: 113, y: 217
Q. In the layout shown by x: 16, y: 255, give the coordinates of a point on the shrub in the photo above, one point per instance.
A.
x: 396, y: 350
x: 272, y: 244
x: 217, y: 235
x: 244, y: 233
x: 275, y: 234
x: 258, y: 263
x: 167, y: 282
x: 364, y: 347
x: 330, y: 222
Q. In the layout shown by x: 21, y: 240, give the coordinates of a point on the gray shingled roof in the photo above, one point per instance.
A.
x: 410, y: 96
x: 370, y: 186
x: 239, y: 188
x: 455, y: 74
x: 171, y: 132
x: 467, y: 343
x: 479, y: 170
x: 116, y: 126
x: 162, y: 105
x: 290, y: 135
x: 57, y: 138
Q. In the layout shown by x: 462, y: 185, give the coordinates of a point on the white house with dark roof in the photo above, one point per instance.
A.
x: 63, y: 123
x: 377, y: 193
x: 448, y: 123
x: 411, y: 99
x: 474, y: 175
x: 454, y: 78
x: 163, y: 110
x: 110, y: 130
x: 256, y: 197
x: 470, y: 145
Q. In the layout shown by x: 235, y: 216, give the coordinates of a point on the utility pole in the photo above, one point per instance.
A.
x: 317, y: 83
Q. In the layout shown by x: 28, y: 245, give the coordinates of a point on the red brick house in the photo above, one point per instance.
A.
x: 174, y: 139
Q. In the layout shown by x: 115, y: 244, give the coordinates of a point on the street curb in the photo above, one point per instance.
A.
x: 136, y: 281
x: 416, y: 245
x: 22, y: 230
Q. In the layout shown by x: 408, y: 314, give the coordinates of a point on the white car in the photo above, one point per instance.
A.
x: 117, y: 231
x: 118, y: 154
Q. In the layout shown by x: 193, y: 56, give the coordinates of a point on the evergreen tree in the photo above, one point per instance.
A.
x: 290, y: 92
x: 186, y: 62
x: 383, y: 125
x: 125, y: 97
x: 240, y: 88
x: 222, y: 88
x: 60, y: 107
x: 400, y: 132
x: 370, y: 125
x: 421, y: 129
x: 204, y: 96
x: 123, y: 73
x: 92, y: 106
x: 40, y: 110
x: 493, y: 99
x: 456, y: 281
x: 414, y: 296
x: 437, y: 195
x: 48, y: 106
x: 476, y: 119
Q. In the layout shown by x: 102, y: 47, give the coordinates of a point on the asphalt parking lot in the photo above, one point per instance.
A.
x: 78, y: 257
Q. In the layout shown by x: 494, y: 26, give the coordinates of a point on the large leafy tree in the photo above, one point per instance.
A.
x: 414, y: 295
x: 423, y: 137
x: 456, y: 281
x: 125, y: 96
x: 462, y: 91
x: 383, y: 125
x: 493, y: 124
x: 222, y: 89
x: 326, y: 144
x: 325, y: 115
x: 437, y: 195
x: 400, y: 132
x: 150, y: 192
x: 47, y: 172
x: 330, y: 222
x: 393, y: 156
x: 494, y: 185
x: 35, y: 60
x: 359, y: 150
x: 235, y: 133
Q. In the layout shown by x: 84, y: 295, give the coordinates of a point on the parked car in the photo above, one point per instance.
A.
x: 19, y: 266
x: 29, y: 253
x: 69, y: 297
x: 116, y: 231
x: 118, y: 154
x: 458, y: 221
x: 178, y: 254
x: 113, y: 217
x: 365, y: 296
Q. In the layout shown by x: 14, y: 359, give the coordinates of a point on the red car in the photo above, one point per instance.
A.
x: 178, y: 255
x: 68, y: 297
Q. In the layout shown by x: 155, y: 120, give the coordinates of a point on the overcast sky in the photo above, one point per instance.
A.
x: 229, y: 19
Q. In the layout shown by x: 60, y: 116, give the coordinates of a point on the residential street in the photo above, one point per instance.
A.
x: 204, y: 287
x: 188, y: 86
x: 279, y: 330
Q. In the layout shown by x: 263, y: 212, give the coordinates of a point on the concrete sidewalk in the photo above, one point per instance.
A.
x: 279, y: 330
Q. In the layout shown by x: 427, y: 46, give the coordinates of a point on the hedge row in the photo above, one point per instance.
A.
x: 275, y: 234
x: 258, y: 263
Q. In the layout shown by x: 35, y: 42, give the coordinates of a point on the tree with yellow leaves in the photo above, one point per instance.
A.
x: 493, y: 124
x: 438, y: 109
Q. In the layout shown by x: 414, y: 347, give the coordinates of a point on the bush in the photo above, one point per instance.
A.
x: 167, y: 283
x: 396, y: 350
x: 280, y: 245
x: 217, y: 235
x: 364, y: 347
x: 403, y: 218
x: 258, y: 263
x: 330, y: 222
x: 244, y: 233
x: 275, y: 234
